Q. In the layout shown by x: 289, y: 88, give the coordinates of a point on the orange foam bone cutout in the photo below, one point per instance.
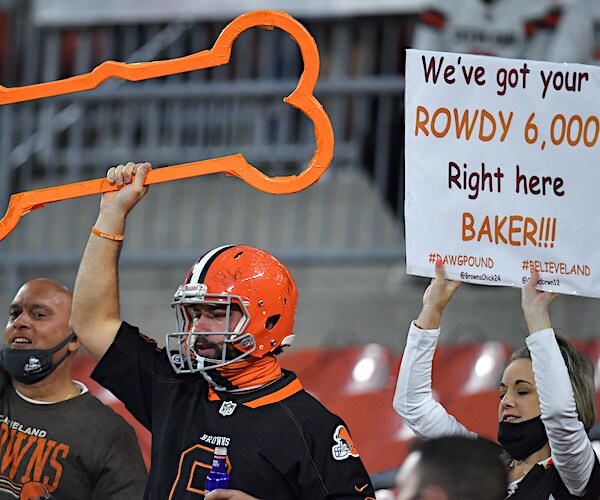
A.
x: 301, y: 98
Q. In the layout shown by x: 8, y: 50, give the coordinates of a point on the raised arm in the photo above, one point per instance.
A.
x: 413, y: 399
x: 436, y: 297
x: 535, y: 305
x: 572, y: 452
x: 95, y: 312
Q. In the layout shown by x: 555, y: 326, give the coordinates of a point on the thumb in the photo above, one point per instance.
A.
x: 217, y: 495
x: 439, y: 269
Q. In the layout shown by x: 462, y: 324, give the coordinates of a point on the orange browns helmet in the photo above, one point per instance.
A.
x: 34, y: 491
x: 234, y: 275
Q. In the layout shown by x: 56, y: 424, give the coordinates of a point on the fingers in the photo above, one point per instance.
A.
x: 110, y: 175
x: 122, y: 175
x: 453, y: 285
x: 529, y: 289
x: 220, y: 495
x: 535, y: 277
x: 228, y: 495
x: 440, y: 276
x: 439, y: 269
x: 140, y: 171
x: 535, y: 304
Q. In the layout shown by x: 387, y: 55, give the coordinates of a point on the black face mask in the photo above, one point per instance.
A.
x: 522, y: 439
x: 29, y: 366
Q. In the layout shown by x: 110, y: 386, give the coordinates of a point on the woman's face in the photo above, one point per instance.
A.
x: 518, y: 395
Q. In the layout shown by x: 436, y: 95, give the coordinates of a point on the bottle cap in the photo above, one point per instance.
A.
x: 221, y: 450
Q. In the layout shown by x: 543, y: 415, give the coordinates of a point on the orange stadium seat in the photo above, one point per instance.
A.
x: 302, y: 361
x: 478, y: 412
x: 463, y: 369
x: 395, y: 369
x: 83, y: 365
x: 357, y: 383
x: 381, y: 436
x: 329, y: 373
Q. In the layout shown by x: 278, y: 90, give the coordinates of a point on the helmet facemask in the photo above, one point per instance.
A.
x: 185, y: 346
x: 245, y: 283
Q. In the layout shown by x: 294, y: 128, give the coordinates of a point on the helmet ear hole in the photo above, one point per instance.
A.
x: 272, y: 321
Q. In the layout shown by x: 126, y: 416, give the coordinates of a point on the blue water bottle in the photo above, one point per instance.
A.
x: 218, y: 478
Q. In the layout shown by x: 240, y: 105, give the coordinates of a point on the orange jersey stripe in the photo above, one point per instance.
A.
x: 277, y: 396
x: 212, y: 394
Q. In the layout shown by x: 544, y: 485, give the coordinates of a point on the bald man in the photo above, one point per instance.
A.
x: 57, y: 441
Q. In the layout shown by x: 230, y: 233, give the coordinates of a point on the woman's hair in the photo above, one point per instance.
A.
x: 581, y: 373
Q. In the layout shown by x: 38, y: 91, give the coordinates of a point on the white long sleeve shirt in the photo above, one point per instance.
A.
x: 572, y: 452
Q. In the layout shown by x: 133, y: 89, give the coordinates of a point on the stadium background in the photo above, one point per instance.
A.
x: 342, y: 238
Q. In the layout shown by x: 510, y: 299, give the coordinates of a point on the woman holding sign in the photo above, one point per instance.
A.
x: 547, y: 399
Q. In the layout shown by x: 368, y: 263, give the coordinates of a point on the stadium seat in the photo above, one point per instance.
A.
x: 357, y: 383
x: 83, y: 365
x: 329, y: 373
x: 478, y: 412
x: 395, y: 369
x: 303, y: 361
x: 462, y: 369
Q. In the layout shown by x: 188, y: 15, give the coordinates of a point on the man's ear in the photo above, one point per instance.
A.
x: 74, y: 344
x: 433, y: 492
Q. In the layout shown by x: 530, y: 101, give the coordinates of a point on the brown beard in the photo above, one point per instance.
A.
x: 203, y: 343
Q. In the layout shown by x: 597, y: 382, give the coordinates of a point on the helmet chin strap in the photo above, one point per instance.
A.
x: 213, y: 377
x: 208, y: 378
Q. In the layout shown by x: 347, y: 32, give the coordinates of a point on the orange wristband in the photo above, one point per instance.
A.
x: 107, y: 236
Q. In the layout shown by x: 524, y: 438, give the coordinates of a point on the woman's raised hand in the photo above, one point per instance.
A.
x: 436, y: 296
x: 536, y: 304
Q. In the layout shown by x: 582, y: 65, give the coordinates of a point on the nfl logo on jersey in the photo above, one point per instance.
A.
x: 227, y: 408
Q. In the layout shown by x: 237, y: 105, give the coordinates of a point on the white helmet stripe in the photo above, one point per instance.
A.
x: 201, y: 264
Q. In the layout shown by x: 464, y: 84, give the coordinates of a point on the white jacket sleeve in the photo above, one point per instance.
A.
x: 572, y: 452
x: 413, y: 399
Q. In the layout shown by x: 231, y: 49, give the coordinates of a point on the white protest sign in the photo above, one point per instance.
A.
x: 503, y: 170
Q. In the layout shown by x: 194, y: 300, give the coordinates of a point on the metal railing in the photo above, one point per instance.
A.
x: 354, y: 212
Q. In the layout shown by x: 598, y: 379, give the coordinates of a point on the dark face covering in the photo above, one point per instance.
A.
x: 522, y: 439
x: 29, y: 366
